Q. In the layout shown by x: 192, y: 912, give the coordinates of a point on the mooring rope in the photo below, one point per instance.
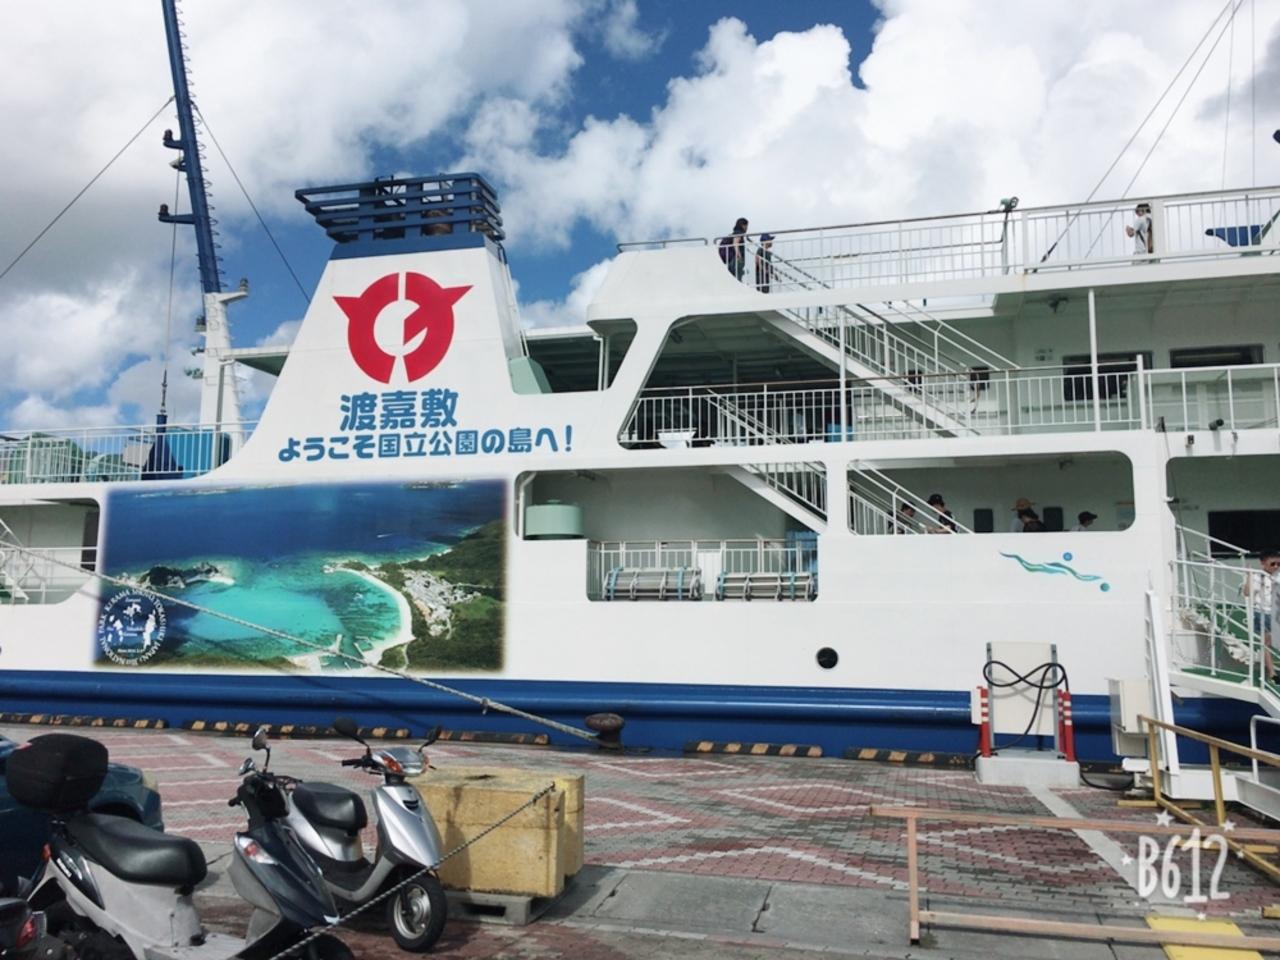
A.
x: 485, y: 703
x: 293, y: 951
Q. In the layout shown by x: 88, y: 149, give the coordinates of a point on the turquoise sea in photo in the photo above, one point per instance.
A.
x: 276, y: 549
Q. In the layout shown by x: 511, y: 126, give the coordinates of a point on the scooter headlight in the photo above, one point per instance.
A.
x: 253, y: 851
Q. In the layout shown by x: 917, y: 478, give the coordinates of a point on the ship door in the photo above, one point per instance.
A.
x: 710, y: 560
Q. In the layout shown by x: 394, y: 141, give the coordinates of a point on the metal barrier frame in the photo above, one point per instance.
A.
x: 1052, y: 928
x: 1216, y: 747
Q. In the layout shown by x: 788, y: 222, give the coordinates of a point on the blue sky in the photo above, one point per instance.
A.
x: 602, y: 87
x: 597, y: 120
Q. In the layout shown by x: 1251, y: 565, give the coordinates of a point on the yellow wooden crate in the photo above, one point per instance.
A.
x: 530, y: 854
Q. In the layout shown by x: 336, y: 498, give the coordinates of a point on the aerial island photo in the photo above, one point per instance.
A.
x: 406, y: 575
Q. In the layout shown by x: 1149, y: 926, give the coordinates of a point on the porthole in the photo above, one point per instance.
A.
x: 827, y: 658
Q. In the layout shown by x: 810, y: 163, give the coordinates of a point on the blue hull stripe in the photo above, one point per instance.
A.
x: 663, y: 716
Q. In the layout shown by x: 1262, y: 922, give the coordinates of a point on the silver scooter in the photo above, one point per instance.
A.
x: 124, y: 890
x: 327, y: 820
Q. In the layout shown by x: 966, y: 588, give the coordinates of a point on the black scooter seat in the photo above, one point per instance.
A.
x: 329, y: 805
x: 137, y: 853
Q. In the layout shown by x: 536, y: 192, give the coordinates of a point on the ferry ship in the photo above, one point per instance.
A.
x: 710, y: 509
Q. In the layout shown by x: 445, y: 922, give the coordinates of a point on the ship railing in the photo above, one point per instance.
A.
x: 918, y: 341
x: 1218, y: 630
x: 43, y: 574
x: 105, y: 454
x: 979, y: 401
x: 711, y: 558
x: 804, y: 483
x: 1217, y: 224
x: 1235, y: 397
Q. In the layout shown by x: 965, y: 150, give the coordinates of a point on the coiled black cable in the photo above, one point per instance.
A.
x: 1043, y: 678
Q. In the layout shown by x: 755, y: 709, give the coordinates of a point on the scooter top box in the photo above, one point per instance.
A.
x: 57, y: 772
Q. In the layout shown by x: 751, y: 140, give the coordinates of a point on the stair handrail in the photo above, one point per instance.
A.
x: 1001, y: 361
x: 897, y: 493
x: 773, y: 475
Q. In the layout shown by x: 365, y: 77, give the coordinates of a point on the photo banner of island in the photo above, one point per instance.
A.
x: 406, y: 575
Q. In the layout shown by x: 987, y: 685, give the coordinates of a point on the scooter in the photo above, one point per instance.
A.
x: 123, y: 891
x: 327, y: 820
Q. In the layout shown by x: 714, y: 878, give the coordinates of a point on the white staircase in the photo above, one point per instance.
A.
x: 15, y: 569
x: 926, y: 374
x: 875, y: 502
x: 799, y: 489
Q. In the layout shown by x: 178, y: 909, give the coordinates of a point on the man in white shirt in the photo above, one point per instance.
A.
x: 1261, y: 586
x: 1140, y: 229
x: 1084, y: 521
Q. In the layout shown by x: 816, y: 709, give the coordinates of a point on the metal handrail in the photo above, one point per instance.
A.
x: 1054, y: 208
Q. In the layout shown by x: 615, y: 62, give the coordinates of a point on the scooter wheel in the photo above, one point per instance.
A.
x: 416, y: 914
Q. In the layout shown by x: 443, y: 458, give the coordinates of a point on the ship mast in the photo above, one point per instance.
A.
x: 219, y: 395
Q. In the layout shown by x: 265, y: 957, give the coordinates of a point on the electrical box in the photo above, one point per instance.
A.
x: 1130, y: 699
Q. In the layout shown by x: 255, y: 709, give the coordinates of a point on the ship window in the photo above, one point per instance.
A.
x: 1052, y: 517
x: 984, y: 520
x: 1253, y: 530
x: 1077, y: 374
x: 1215, y: 356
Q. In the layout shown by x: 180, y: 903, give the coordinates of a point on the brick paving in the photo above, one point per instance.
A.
x: 763, y: 818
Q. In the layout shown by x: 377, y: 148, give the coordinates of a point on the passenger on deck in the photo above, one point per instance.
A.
x: 1140, y: 229
x: 1035, y: 525
x: 944, y: 519
x: 1261, y: 585
x: 905, y: 520
x: 764, y: 263
x: 733, y: 248
x: 1084, y: 521
x: 1021, y: 507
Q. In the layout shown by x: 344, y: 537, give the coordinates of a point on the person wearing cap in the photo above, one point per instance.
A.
x: 1085, y: 521
x: 1140, y: 229
x: 1022, y: 513
x: 733, y: 248
x: 764, y: 263
x: 945, y: 520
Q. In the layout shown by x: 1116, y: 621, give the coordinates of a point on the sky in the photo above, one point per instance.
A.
x: 598, y: 121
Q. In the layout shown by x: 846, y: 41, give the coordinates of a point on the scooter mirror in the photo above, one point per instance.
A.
x: 433, y: 735
x: 347, y: 727
x: 260, y: 738
x: 247, y: 767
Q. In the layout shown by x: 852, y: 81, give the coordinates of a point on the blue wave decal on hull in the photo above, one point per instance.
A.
x: 1056, y: 567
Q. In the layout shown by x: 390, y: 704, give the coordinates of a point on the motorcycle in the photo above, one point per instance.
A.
x: 327, y: 820
x: 123, y: 891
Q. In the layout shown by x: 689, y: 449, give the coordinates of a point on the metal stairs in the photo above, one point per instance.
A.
x: 799, y: 489
x: 928, y: 376
x: 15, y: 568
x: 875, y: 502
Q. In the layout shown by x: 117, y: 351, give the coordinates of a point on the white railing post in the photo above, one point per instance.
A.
x: 1231, y: 400
x: 1142, y: 392
x: 1093, y: 361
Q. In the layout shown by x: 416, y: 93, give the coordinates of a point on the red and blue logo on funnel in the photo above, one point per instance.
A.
x: 430, y: 318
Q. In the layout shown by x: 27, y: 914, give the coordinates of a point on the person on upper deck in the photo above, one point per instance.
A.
x: 764, y: 263
x: 1022, y: 512
x: 905, y: 519
x: 1140, y: 229
x: 1084, y: 520
x: 944, y: 518
x: 733, y: 248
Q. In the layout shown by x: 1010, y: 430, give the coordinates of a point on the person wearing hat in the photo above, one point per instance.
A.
x: 1022, y: 515
x: 1085, y: 519
x: 945, y: 520
x: 764, y: 263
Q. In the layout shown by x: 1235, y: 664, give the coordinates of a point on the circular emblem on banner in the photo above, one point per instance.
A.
x: 131, y: 628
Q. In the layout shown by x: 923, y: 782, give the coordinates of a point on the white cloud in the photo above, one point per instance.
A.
x: 572, y: 310
x: 622, y: 36
x: 295, y: 91
x: 958, y: 105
